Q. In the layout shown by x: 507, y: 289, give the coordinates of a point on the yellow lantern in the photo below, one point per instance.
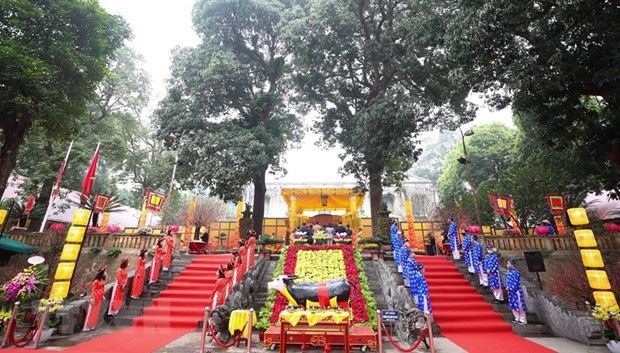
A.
x: 64, y: 270
x: 3, y: 214
x: 70, y: 252
x: 598, y: 279
x: 60, y: 289
x: 76, y: 234
x: 578, y: 216
x: 592, y: 258
x: 80, y: 217
x: 606, y: 299
x: 585, y: 238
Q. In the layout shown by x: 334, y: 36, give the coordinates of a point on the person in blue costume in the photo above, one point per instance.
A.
x: 477, y: 256
x: 516, y: 300
x: 467, y: 252
x: 491, y: 267
x: 403, y: 255
x: 397, y: 243
x: 419, y: 290
x: 409, y: 265
x: 454, y: 238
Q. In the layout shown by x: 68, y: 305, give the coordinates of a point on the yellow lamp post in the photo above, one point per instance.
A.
x: 592, y: 260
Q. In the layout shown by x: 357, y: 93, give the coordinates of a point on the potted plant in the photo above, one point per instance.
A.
x: 221, y: 238
x: 375, y: 245
x: 262, y: 325
x: 262, y: 243
x: 611, y: 333
x: 52, y: 321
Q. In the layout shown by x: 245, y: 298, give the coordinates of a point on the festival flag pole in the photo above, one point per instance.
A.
x: 56, y: 188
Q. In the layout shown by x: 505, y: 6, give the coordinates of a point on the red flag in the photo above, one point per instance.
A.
x: 89, y: 178
x: 29, y: 205
x: 56, y: 188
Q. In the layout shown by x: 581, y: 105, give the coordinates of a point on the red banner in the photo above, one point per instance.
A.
x: 29, y: 205
x: 89, y: 178
x: 154, y: 201
x: 100, y: 203
x: 557, y: 203
x: 501, y: 204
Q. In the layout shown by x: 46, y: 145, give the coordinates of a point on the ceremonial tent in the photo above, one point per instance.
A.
x: 305, y: 201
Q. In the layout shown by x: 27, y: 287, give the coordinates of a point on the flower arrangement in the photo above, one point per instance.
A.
x: 362, y: 300
x: 541, y: 230
x: 342, y: 238
x: 92, y: 230
x: 612, y: 227
x: 113, y: 229
x: 610, y: 319
x: 175, y: 228
x: 474, y: 230
x: 320, y: 237
x: 25, y: 285
x: 56, y: 304
x: 300, y: 237
x: 57, y: 227
x: 145, y: 231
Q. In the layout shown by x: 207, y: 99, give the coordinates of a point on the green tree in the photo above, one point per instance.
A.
x: 112, y: 121
x: 232, y: 92
x: 554, y: 61
x: 53, y: 53
x: 374, y: 86
x: 430, y: 164
x: 509, y: 162
x: 490, y: 152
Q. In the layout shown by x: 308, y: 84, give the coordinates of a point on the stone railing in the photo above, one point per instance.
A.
x: 549, y: 242
x: 103, y: 240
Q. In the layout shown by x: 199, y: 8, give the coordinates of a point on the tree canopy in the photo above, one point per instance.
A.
x: 53, y: 53
x: 556, y: 62
x: 374, y: 86
x: 232, y: 91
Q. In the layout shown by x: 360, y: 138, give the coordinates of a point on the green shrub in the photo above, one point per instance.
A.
x: 114, y: 252
x: 95, y: 250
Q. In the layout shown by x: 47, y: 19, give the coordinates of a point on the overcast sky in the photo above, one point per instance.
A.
x: 160, y: 25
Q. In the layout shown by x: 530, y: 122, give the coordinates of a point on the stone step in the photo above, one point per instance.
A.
x: 532, y: 330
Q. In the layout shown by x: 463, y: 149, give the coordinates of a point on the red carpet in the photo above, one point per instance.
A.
x: 175, y: 313
x: 464, y: 317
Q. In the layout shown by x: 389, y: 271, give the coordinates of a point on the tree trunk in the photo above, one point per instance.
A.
x: 43, y: 199
x: 376, y: 198
x: 13, y: 133
x: 260, y: 188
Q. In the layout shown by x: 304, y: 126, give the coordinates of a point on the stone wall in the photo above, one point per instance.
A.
x: 399, y: 298
x: 562, y: 320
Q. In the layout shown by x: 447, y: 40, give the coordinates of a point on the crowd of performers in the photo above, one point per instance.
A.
x: 485, y: 266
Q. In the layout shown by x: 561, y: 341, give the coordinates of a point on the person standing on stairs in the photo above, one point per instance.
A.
x: 156, y: 264
x: 138, y: 277
x: 96, y: 298
x: 118, y: 291
x: 467, y: 252
x: 516, y: 301
x: 491, y: 267
x: 403, y: 254
x: 477, y: 258
x: 169, y: 248
x: 453, y: 230
x: 419, y: 290
x: 409, y: 265
x: 397, y: 244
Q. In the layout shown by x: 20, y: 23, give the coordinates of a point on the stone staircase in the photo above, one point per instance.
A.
x: 375, y: 285
x: 133, y: 307
x: 262, y: 292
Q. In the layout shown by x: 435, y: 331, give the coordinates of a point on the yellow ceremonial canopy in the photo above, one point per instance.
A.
x: 300, y: 200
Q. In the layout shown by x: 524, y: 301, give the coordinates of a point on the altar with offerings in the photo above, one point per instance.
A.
x: 318, y: 328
